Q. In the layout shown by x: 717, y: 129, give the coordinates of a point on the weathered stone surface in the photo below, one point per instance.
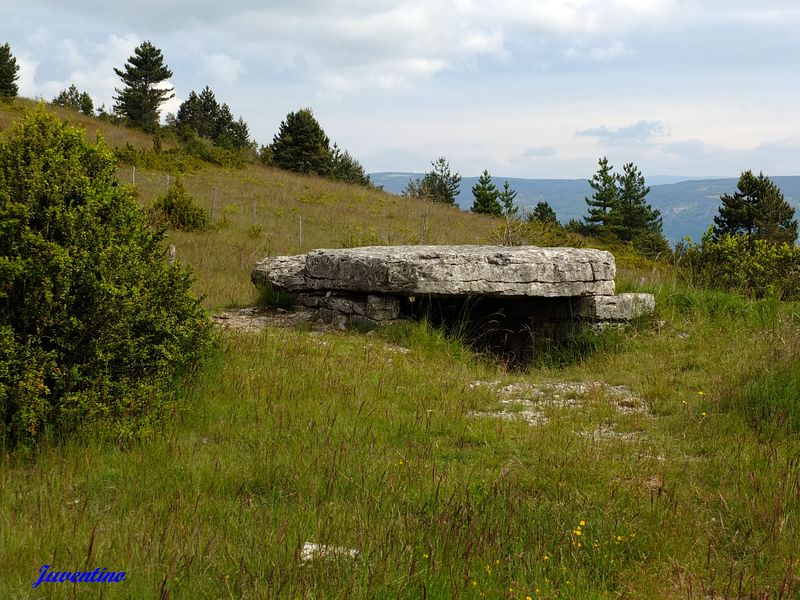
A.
x: 282, y: 272
x: 382, y: 308
x: 348, y: 308
x: 622, y: 307
x: 445, y: 271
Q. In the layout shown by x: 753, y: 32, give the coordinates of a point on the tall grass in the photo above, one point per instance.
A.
x: 344, y: 440
x: 371, y: 443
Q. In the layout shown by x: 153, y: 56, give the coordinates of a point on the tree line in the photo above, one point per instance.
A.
x: 300, y: 145
x: 617, y: 210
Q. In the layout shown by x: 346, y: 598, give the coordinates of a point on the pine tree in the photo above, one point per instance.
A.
x: 198, y: 114
x: 633, y: 216
x: 240, y: 134
x: 506, y: 199
x: 543, y: 213
x: 9, y: 73
x: 139, y: 101
x: 301, y: 144
x: 201, y: 115
x: 438, y: 185
x: 604, y: 199
x: 76, y: 100
x: 86, y: 106
x: 223, y: 128
x: 619, y: 209
x: 486, y: 196
x: 758, y: 210
x: 346, y: 168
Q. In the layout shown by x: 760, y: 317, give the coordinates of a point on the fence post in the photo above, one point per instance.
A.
x: 300, y: 230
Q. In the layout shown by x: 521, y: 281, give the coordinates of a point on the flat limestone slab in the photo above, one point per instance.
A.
x: 446, y: 271
x: 281, y: 272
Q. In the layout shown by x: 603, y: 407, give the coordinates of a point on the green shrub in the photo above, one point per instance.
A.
x: 176, y: 208
x: 757, y: 268
x: 94, y: 325
x: 207, y: 151
x: 174, y: 160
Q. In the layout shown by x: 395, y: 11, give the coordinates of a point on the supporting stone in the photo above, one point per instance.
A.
x: 622, y: 307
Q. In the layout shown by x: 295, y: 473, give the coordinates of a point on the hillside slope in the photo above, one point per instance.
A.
x: 259, y: 211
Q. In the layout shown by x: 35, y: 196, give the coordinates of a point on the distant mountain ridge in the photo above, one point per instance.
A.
x: 687, y: 205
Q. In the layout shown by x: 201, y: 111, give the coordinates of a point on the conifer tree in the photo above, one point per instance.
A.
x: 9, y: 73
x: 201, y: 115
x: 139, y: 101
x: 543, y: 213
x: 438, y: 185
x: 632, y: 216
x: 198, y: 114
x: 346, y: 168
x: 506, y: 199
x: 76, y: 100
x: 758, y: 210
x: 486, y: 196
x: 604, y: 198
x: 301, y: 144
x: 619, y: 209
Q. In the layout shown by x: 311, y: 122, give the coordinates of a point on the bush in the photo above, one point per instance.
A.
x: 757, y: 268
x: 205, y: 150
x: 176, y: 209
x: 174, y: 160
x: 94, y: 325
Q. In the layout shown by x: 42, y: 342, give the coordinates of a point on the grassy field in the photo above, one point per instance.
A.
x: 383, y: 444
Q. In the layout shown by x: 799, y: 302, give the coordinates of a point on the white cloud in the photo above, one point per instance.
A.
x: 27, y: 75
x: 92, y: 67
x: 537, y: 151
x: 477, y: 82
x: 68, y: 54
x: 616, y: 49
x: 221, y: 68
x: 635, y: 133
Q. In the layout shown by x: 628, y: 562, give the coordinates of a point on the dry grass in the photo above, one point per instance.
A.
x: 260, y: 211
x: 113, y: 135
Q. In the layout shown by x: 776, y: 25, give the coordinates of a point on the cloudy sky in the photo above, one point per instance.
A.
x: 525, y: 88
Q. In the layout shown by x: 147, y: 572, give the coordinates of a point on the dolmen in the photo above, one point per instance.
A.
x: 514, y: 289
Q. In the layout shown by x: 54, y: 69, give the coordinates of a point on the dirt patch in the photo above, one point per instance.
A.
x: 533, y: 400
x: 254, y: 319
